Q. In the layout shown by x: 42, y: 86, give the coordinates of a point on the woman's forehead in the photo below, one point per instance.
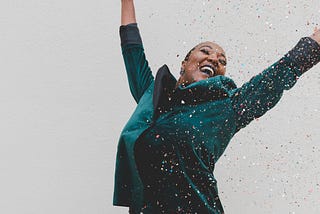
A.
x: 211, y: 45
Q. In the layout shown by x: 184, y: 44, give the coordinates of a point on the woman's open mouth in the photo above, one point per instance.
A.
x: 208, y: 69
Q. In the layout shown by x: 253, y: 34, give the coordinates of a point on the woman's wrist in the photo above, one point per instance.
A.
x: 127, y: 12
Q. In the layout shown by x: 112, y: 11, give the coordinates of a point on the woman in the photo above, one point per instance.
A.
x: 168, y: 148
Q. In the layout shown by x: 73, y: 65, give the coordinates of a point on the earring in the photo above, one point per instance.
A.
x: 182, y: 72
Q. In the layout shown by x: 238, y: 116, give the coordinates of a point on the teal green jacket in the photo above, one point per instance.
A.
x: 216, y: 106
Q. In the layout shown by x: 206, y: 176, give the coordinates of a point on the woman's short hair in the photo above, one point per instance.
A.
x: 186, y: 58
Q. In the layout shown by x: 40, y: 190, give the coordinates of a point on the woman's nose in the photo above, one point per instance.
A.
x: 213, y: 57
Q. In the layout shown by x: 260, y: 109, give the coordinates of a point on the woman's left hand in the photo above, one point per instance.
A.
x: 316, y: 35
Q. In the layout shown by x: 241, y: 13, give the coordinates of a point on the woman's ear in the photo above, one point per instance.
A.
x: 183, y: 64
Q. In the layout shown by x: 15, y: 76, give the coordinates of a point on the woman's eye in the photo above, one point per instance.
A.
x: 204, y: 51
x: 223, y: 62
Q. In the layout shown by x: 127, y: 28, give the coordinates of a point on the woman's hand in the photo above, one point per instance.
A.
x: 316, y: 35
x: 127, y: 12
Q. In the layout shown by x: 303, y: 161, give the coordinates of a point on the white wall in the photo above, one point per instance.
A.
x: 64, y: 100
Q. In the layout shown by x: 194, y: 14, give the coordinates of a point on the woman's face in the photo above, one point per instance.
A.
x: 207, y: 59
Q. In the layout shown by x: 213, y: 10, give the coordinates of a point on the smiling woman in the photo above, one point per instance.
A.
x: 168, y: 149
x: 206, y: 60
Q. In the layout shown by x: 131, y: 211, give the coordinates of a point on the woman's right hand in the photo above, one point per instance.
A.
x: 127, y: 12
x: 316, y: 35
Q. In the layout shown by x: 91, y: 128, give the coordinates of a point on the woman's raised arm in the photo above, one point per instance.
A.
x: 139, y: 73
x: 263, y: 91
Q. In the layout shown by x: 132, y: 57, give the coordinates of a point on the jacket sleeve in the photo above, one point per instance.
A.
x: 138, y: 71
x: 263, y: 91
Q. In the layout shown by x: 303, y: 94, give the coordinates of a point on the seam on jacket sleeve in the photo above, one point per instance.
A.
x: 304, y: 55
x: 129, y: 34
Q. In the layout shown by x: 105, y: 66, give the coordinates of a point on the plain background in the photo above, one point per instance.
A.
x: 64, y: 100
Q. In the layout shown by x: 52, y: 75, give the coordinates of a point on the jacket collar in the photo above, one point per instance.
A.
x: 164, y: 86
x: 165, y: 95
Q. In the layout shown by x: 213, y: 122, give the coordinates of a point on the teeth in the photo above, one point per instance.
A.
x: 208, y: 70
